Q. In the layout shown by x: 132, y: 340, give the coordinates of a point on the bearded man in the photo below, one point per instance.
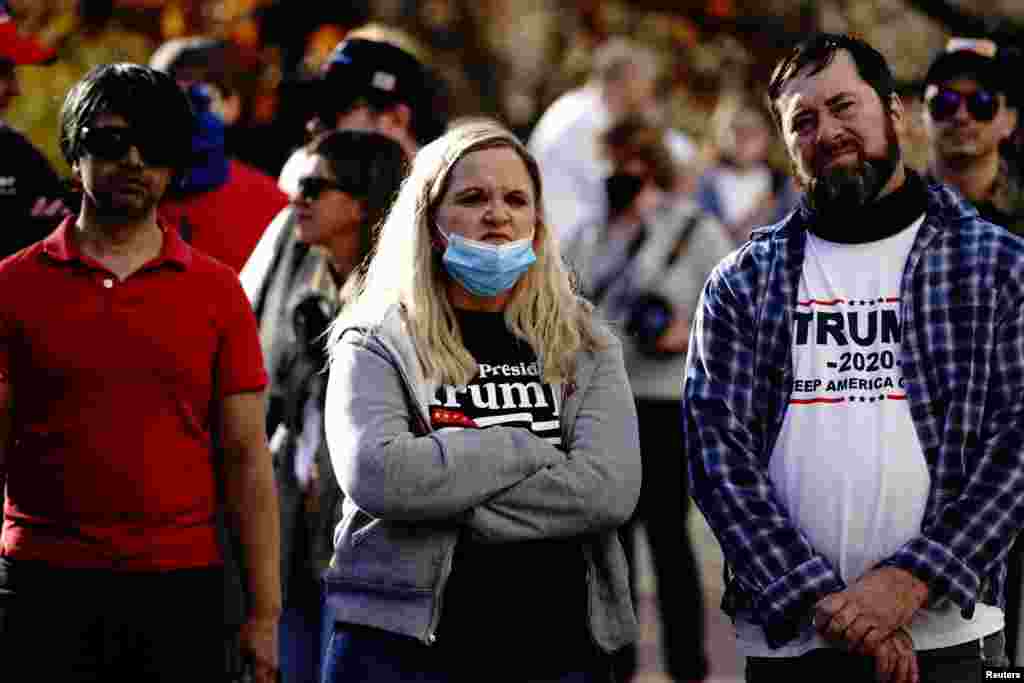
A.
x: 853, y: 401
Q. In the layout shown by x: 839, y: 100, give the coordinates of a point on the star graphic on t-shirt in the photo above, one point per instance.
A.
x: 440, y: 417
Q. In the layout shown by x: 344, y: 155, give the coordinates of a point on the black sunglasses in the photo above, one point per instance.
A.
x: 982, y: 104
x: 312, y: 186
x: 111, y: 143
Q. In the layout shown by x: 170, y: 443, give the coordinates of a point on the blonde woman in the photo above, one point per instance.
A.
x: 482, y: 429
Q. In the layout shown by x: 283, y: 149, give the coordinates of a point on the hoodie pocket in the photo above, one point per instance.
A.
x: 396, y: 554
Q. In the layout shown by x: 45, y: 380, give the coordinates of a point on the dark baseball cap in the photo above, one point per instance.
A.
x: 382, y: 74
x: 376, y: 70
x: 977, y: 58
x: 17, y: 47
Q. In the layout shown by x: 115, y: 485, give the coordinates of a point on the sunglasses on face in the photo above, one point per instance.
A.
x: 312, y: 186
x: 983, y: 105
x: 112, y: 143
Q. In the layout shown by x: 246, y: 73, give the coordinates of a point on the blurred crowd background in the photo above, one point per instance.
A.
x: 508, y: 58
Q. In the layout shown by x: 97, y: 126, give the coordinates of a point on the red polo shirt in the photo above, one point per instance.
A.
x: 228, y: 221
x: 110, y: 463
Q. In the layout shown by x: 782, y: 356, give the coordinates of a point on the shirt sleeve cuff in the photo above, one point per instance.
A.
x: 948, y: 578
x: 786, y: 605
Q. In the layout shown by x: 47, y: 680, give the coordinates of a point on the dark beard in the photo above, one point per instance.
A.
x: 846, y: 188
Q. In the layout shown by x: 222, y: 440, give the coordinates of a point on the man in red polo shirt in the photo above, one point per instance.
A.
x: 122, y: 352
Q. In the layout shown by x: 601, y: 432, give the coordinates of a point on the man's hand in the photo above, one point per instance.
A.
x: 258, y: 640
x: 676, y: 337
x: 864, y: 615
x: 895, y: 660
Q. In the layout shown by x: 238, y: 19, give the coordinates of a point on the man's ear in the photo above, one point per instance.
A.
x: 396, y: 120
x: 231, y: 109
x: 897, y: 113
x: 1012, y: 118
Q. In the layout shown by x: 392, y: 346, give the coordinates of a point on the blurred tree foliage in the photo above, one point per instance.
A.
x: 508, y: 58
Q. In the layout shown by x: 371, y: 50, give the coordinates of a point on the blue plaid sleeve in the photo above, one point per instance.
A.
x: 726, y: 443
x: 971, y: 534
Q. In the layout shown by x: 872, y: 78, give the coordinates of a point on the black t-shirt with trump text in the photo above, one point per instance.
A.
x: 524, y: 601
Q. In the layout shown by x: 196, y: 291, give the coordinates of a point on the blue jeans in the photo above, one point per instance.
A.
x: 358, y: 653
x: 302, y: 639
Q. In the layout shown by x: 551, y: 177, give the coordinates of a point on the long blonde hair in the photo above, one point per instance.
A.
x: 406, y: 270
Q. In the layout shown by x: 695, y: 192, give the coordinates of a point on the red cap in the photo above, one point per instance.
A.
x: 19, y: 48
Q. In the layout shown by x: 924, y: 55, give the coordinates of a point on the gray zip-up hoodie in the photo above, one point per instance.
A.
x: 409, y: 490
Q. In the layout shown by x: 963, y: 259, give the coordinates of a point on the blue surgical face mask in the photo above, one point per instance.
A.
x: 486, y: 269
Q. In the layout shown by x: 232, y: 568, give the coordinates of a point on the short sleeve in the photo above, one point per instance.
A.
x: 240, y: 367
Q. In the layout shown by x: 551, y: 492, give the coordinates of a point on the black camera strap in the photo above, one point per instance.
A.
x: 684, y: 236
x: 601, y: 287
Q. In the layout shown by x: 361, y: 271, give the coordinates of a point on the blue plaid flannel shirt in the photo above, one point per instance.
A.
x: 963, y: 360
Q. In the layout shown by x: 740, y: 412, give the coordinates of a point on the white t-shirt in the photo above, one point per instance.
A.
x: 741, y: 190
x: 848, y: 465
x: 566, y: 143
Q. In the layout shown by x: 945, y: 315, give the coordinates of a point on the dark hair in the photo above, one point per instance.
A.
x: 817, y: 52
x: 372, y: 165
x: 634, y: 138
x: 200, y: 58
x: 146, y: 98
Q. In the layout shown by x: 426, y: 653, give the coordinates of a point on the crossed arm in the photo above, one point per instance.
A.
x: 504, y: 483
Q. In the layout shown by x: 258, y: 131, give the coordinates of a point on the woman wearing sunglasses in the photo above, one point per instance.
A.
x: 481, y: 426
x: 342, y: 196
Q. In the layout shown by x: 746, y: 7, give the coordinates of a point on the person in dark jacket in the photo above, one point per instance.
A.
x: 341, y: 198
x: 33, y: 198
x: 971, y: 112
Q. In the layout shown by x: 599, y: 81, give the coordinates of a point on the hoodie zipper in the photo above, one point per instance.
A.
x: 446, y: 571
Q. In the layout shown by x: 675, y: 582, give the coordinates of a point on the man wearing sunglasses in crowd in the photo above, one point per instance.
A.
x: 970, y: 113
x: 112, y: 387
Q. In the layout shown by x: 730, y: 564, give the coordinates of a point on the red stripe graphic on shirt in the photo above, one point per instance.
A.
x: 810, y: 302
x: 836, y: 302
x: 835, y: 401
x: 809, y: 401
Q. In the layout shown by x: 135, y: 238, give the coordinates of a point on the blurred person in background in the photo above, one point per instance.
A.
x: 369, y: 84
x: 971, y: 112
x: 340, y: 201
x: 130, y: 419
x: 740, y: 187
x: 644, y: 270
x: 487, y: 471
x: 222, y: 205
x: 365, y: 85
x: 566, y: 138
x: 214, y: 62
x: 33, y: 199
